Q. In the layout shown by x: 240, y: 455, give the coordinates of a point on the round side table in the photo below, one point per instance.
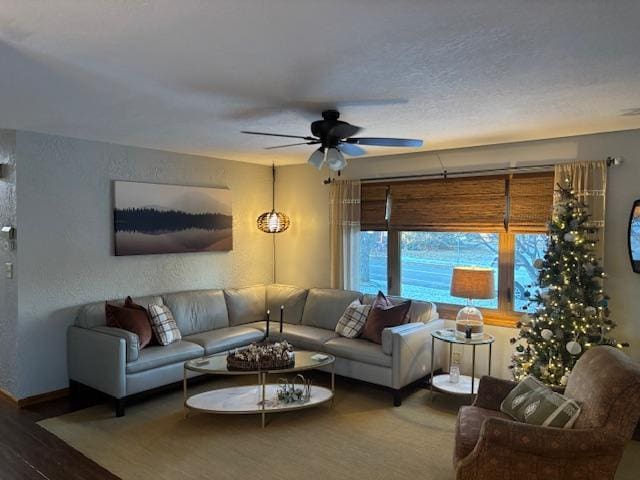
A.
x: 468, y: 385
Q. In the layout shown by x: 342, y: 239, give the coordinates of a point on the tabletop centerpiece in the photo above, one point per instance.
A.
x: 262, y: 356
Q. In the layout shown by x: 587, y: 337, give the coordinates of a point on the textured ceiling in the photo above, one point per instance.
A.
x: 189, y: 75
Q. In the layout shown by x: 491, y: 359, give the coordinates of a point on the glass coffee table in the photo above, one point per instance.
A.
x: 259, y: 398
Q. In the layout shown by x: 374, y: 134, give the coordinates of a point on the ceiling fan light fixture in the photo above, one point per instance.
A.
x: 335, y: 159
x: 317, y: 158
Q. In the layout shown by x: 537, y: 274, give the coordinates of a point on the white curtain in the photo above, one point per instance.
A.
x: 589, y: 182
x: 344, y: 199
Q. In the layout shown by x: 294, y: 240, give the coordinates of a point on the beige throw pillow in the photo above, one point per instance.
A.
x: 164, y: 325
x: 352, y: 321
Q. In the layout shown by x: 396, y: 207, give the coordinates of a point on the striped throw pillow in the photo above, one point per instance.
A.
x: 532, y: 402
x: 352, y: 321
x: 163, y: 324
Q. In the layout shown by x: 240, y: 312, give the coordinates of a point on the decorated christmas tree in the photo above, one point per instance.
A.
x: 568, y: 310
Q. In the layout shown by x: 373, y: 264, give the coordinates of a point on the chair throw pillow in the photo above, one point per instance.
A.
x: 384, y: 317
x: 131, y: 317
x: 533, y: 402
x: 164, y: 325
x: 352, y: 321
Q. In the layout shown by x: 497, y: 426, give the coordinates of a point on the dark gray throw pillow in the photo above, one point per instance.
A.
x: 533, y: 402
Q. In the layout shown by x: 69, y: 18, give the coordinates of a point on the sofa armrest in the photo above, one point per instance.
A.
x: 97, y: 359
x: 410, y: 351
x: 132, y: 340
x: 492, y: 391
x: 388, y: 334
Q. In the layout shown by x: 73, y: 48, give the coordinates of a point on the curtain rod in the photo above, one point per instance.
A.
x: 611, y: 161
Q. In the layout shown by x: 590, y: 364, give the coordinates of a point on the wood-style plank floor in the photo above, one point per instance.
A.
x: 28, y: 451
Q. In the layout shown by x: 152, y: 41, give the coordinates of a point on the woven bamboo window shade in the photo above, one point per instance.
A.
x: 456, y: 204
x: 373, y: 200
x: 478, y: 204
x: 530, y: 201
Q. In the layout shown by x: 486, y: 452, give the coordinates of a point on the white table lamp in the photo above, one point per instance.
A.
x: 471, y: 283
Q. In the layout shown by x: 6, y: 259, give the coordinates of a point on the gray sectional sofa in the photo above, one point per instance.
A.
x: 215, y: 321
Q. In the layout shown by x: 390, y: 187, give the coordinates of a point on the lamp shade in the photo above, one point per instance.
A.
x: 317, y: 158
x: 335, y: 159
x: 472, y: 282
x: 273, y: 222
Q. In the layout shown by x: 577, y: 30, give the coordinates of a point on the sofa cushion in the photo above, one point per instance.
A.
x: 420, y: 311
x: 293, y: 299
x: 325, y: 306
x: 468, y: 425
x: 92, y: 315
x: 198, y: 310
x: 359, y: 350
x: 246, y: 305
x: 158, y: 356
x: 225, y: 339
x: 302, y: 337
x: 307, y: 338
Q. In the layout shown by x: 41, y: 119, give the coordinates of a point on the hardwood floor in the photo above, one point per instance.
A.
x: 28, y: 451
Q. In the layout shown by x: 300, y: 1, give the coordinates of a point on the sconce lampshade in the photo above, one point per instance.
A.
x: 273, y: 222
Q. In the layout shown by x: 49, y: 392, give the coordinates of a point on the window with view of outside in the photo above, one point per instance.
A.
x: 529, y: 247
x: 427, y: 260
x: 373, y: 262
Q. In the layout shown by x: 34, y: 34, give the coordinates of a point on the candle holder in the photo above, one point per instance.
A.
x: 267, y: 331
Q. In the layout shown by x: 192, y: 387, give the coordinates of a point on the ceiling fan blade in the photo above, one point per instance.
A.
x: 385, y: 142
x: 351, y: 149
x: 344, y: 130
x: 310, y: 139
x: 291, y: 145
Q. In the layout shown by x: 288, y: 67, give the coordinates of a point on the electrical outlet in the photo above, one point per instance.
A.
x: 8, y: 270
x: 456, y: 357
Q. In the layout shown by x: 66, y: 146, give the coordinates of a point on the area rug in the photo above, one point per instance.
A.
x: 362, y: 436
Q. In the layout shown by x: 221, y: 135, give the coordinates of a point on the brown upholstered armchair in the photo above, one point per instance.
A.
x: 490, y: 445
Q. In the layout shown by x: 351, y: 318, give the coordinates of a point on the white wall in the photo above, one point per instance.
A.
x: 303, y: 255
x: 65, y: 249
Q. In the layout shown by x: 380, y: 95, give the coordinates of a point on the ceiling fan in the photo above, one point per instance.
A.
x: 336, y: 138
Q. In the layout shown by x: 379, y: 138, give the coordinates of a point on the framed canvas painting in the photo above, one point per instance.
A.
x: 150, y: 218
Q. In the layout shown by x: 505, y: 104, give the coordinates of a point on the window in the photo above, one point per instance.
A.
x: 427, y: 260
x: 416, y: 231
x: 529, y: 247
x: 373, y: 261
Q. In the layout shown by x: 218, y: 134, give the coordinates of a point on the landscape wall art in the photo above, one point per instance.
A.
x: 150, y: 218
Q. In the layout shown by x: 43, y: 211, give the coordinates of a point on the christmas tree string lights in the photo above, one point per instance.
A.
x: 569, y: 310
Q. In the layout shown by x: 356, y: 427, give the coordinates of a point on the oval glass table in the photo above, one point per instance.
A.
x: 466, y: 385
x: 259, y: 398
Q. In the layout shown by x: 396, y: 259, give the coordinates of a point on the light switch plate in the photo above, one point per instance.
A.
x: 8, y: 270
x: 456, y: 357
